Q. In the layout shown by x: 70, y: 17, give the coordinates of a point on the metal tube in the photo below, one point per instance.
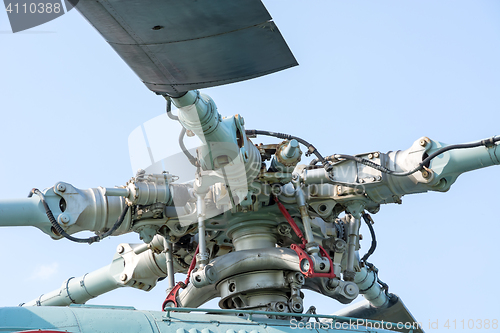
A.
x: 142, y: 264
x: 170, y: 266
x: 306, y: 220
x: 351, y: 244
x: 80, y: 290
x: 291, y: 149
x: 141, y: 248
x: 24, y: 212
x: 202, y: 256
x: 116, y: 192
x: 464, y: 160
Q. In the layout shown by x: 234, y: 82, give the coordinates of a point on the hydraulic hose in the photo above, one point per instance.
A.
x: 169, y: 110
x: 310, y: 148
x: 368, y: 220
x: 172, y: 116
x: 190, y: 157
x: 63, y: 233
x: 186, y: 152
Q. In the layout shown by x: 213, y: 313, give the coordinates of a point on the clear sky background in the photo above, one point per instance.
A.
x: 373, y: 75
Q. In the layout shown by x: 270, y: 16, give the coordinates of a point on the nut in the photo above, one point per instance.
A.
x: 123, y: 277
x: 61, y: 187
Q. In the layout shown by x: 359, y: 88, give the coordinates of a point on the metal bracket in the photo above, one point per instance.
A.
x: 310, y: 272
x: 172, y: 295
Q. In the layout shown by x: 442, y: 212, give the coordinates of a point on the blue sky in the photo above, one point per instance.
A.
x: 373, y: 75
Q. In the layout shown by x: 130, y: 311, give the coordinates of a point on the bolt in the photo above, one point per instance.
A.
x: 423, y: 143
x: 123, y: 277
x: 370, y: 156
x: 425, y: 174
x: 295, y: 176
x: 64, y: 218
x: 350, y: 290
x: 340, y: 245
x: 61, y: 187
x: 276, y: 189
x: 333, y: 283
x: 120, y: 249
x: 361, y: 181
x: 376, y: 155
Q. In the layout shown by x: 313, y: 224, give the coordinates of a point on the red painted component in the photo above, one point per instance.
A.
x: 172, y: 295
x: 191, y: 266
x: 292, y: 223
x: 299, y: 249
x: 303, y: 255
x: 310, y: 272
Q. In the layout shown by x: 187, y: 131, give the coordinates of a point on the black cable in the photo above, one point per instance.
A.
x: 330, y: 158
x: 368, y: 220
x: 384, y: 285
x: 186, y: 152
x: 310, y: 148
x: 425, y: 162
x: 169, y: 110
x: 63, y: 233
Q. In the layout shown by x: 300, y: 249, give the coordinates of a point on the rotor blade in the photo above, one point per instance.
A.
x: 175, y: 46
